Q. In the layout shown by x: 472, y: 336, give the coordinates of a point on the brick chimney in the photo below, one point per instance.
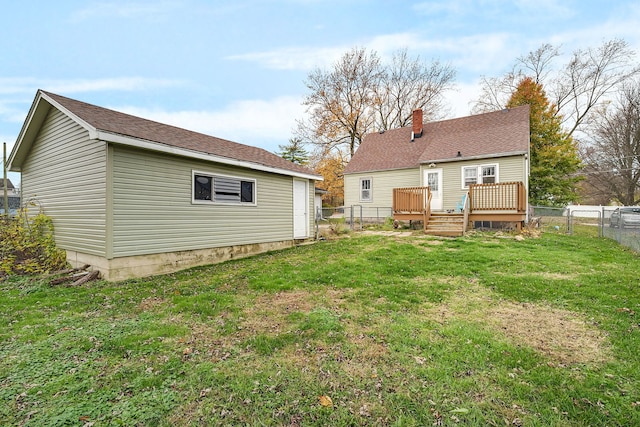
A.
x: 417, y: 124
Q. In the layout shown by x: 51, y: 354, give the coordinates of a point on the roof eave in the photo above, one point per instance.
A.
x: 483, y: 156
x: 416, y: 166
x: 167, y: 149
x: 31, y: 127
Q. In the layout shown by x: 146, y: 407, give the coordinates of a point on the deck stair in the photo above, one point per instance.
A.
x: 445, y: 224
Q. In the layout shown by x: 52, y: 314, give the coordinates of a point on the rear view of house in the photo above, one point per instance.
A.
x: 476, y: 165
x: 134, y: 197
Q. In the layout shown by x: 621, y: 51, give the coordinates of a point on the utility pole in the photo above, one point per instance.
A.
x: 4, y: 168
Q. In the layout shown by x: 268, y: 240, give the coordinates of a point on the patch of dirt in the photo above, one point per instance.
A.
x: 543, y: 274
x: 151, y: 303
x: 560, y: 335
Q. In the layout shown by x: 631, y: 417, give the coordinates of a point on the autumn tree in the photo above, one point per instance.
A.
x: 359, y: 95
x: 554, y: 161
x: 574, y: 88
x: 331, y: 167
x: 294, y: 151
x: 408, y: 84
x: 613, y: 153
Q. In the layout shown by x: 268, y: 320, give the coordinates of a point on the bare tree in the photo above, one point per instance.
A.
x: 339, y: 101
x: 613, y: 155
x: 408, y: 84
x: 360, y: 95
x: 575, y: 88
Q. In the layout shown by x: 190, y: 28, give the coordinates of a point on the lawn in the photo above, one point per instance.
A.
x: 392, y: 329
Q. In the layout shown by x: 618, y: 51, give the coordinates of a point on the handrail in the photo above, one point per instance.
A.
x: 500, y: 196
x: 427, y: 212
x: 465, y: 211
x: 411, y: 199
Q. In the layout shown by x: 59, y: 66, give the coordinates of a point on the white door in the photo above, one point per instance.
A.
x: 300, y: 209
x: 433, y: 180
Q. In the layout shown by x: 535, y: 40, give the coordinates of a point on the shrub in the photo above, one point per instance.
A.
x: 27, y: 245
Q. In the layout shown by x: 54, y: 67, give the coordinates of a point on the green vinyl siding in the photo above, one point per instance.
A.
x: 382, y: 185
x: 153, y: 210
x: 510, y: 169
x: 65, y: 175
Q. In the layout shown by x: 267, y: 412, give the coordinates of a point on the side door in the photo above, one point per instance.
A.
x: 433, y: 179
x: 300, y: 209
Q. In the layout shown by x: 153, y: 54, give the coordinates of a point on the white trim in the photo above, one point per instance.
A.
x: 478, y: 173
x: 305, y: 201
x: 360, y: 189
x: 157, y: 146
x: 163, y: 148
x: 195, y: 201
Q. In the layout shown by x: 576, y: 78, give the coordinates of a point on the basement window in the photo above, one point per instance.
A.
x: 223, y: 189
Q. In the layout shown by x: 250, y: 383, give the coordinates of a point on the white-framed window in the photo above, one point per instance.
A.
x: 469, y: 176
x: 488, y: 174
x: 212, y: 188
x: 479, y: 174
x: 366, y: 190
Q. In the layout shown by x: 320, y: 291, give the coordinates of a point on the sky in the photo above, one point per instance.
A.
x: 236, y: 69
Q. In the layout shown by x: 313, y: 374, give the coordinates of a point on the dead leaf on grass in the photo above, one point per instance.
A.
x: 325, y: 401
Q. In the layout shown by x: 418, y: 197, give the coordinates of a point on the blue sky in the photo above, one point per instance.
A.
x: 236, y: 69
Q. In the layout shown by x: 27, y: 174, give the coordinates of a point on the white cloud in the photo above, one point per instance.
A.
x: 462, y: 97
x: 22, y: 85
x: 293, y: 58
x: 261, y: 123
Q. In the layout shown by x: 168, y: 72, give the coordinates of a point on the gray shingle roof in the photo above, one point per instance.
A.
x: 486, y: 135
x: 118, y: 123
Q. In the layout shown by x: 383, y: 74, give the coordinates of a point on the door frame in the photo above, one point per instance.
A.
x: 301, y: 232
x: 436, y: 203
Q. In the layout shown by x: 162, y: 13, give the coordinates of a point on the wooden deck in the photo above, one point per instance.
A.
x: 499, y: 202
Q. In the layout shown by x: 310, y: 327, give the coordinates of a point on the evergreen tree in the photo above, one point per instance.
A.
x: 294, y: 151
x: 554, y: 155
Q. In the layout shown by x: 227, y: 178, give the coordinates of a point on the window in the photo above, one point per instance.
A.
x: 482, y: 174
x: 470, y: 176
x: 223, y: 189
x: 432, y: 181
x: 365, y: 189
x: 488, y: 174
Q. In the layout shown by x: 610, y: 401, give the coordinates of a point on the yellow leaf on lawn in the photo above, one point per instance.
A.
x: 326, y: 401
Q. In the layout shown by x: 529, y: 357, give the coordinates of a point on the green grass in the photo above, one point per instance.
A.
x: 396, y: 330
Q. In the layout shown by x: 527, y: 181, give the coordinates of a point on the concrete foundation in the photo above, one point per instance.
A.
x: 149, y: 265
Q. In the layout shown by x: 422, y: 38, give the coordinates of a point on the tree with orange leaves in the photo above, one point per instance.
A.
x: 331, y: 167
x: 554, y: 155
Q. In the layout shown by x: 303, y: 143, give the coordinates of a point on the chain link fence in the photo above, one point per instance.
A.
x: 594, y: 221
x: 586, y: 220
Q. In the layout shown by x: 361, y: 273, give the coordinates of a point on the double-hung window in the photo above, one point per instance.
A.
x: 482, y: 174
x: 223, y: 189
x: 365, y: 190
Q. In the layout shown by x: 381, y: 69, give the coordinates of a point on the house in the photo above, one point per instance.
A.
x: 476, y: 165
x: 11, y: 189
x: 142, y: 197
x: 13, y: 198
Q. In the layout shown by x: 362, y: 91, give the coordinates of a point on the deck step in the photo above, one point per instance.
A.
x: 445, y: 224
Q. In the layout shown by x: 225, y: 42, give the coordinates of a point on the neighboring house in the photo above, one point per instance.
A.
x: 143, y: 197
x: 13, y: 198
x: 445, y: 156
x: 319, y: 192
x: 11, y: 189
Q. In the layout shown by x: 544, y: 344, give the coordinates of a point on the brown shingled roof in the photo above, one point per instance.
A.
x: 486, y: 135
x: 114, y: 122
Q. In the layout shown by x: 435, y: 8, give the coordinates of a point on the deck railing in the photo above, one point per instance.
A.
x: 410, y: 199
x: 502, y: 196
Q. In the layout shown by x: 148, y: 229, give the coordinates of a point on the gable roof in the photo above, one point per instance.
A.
x: 9, y: 184
x: 116, y: 127
x: 489, y: 135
